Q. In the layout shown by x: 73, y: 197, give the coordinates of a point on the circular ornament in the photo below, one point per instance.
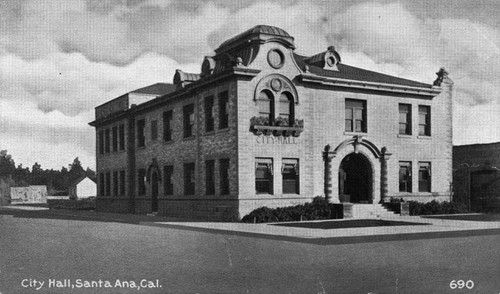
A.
x: 276, y: 85
x: 275, y: 58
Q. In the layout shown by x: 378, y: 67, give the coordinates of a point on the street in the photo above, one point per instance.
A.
x: 58, y: 255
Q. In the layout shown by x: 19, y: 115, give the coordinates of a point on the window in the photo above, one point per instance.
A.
x: 286, y: 107
x: 101, y: 142
x: 224, y: 176
x: 122, y: 182
x: 210, y: 177
x: 424, y: 176
x: 102, y: 186
x: 108, y: 184
x: 106, y: 141
x: 223, y: 110
x: 265, y: 103
x: 167, y: 125
x: 405, y: 176
x: 290, y: 172
x: 114, y: 136
x: 141, y: 139
x: 154, y: 130
x: 424, y: 120
x: 405, y: 119
x: 264, y: 176
x: 121, y: 136
x: 209, y: 113
x: 141, y: 185
x: 115, y: 183
x: 355, y: 115
x: 168, y: 171
x: 189, y: 179
x: 188, y: 112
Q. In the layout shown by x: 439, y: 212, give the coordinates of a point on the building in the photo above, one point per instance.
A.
x: 83, y: 187
x: 28, y: 195
x: 264, y: 126
x: 476, y: 176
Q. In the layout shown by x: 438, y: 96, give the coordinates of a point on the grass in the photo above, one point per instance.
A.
x: 469, y: 217
x: 358, y: 223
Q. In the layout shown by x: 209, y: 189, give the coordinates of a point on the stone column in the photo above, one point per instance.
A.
x: 384, y: 190
x: 327, y: 158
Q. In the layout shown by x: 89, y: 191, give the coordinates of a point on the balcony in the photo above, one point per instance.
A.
x: 279, y: 127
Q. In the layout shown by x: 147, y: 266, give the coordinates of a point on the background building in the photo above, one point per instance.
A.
x: 84, y: 187
x: 264, y: 126
x: 476, y: 175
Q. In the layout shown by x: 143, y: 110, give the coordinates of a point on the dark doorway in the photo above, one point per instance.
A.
x: 355, y: 179
x: 154, y: 192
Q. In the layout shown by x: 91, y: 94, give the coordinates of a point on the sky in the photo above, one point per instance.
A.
x: 59, y: 59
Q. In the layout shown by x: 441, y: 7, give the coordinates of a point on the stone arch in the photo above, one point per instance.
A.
x: 276, y: 83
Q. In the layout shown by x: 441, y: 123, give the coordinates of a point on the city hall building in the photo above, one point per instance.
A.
x: 264, y: 126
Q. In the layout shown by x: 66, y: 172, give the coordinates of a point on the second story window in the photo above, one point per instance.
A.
x: 101, y: 142
x: 355, y: 115
x: 188, y: 118
x: 141, y: 139
x: 167, y: 125
x: 424, y: 120
x: 106, y: 141
x: 114, y: 134
x: 154, y: 130
x: 405, y: 119
x: 286, y: 107
x: 223, y: 110
x: 265, y: 103
x: 209, y: 113
x: 121, y: 136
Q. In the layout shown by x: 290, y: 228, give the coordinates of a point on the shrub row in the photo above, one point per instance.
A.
x: 435, y: 207
x: 318, y: 209
x: 80, y: 204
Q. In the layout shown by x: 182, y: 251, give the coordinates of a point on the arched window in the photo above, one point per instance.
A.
x: 286, y: 109
x: 265, y: 102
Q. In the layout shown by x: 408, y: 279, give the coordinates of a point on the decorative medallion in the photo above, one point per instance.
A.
x: 275, y: 58
x: 276, y: 85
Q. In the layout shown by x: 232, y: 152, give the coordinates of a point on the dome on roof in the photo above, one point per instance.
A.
x: 258, y: 30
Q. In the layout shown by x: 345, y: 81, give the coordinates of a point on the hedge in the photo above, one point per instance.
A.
x: 318, y: 209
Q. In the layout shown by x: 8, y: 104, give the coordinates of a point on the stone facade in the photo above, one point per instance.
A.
x: 283, y: 110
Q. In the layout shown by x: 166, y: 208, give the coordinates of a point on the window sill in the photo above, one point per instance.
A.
x: 209, y: 133
x: 355, y: 133
x: 188, y: 138
x: 404, y: 136
x: 168, y: 142
x: 424, y: 137
x: 224, y: 130
x: 264, y: 194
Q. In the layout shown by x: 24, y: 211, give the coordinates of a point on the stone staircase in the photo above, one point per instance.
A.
x: 371, y: 211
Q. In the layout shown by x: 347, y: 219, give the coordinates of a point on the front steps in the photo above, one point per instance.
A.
x: 371, y: 211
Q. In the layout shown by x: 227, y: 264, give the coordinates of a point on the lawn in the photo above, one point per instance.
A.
x: 344, y: 224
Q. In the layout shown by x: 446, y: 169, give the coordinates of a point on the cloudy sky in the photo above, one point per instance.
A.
x: 60, y: 58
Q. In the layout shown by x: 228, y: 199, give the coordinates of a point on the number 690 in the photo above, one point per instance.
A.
x: 460, y: 284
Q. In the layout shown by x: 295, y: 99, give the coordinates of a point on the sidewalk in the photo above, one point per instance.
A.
x: 434, y: 228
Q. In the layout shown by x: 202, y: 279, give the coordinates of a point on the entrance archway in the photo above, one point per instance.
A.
x: 154, y: 192
x: 355, y: 179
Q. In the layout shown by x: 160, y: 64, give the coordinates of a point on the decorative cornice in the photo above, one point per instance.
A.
x: 336, y: 82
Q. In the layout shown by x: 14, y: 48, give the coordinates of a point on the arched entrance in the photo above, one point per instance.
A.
x: 355, y: 179
x: 154, y: 192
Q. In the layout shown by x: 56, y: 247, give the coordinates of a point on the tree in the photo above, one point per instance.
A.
x: 7, y: 165
x: 75, y: 170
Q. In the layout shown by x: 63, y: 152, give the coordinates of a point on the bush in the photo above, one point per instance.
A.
x: 318, y: 209
x: 435, y: 207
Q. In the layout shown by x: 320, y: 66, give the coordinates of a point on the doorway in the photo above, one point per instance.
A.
x: 355, y: 179
x: 154, y: 192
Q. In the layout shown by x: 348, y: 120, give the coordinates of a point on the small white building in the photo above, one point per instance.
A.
x: 84, y: 187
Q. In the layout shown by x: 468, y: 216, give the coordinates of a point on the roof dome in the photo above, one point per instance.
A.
x: 255, y: 31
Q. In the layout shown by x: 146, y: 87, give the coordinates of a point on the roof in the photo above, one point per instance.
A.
x: 156, y: 89
x: 260, y: 29
x: 77, y: 181
x: 355, y: 73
